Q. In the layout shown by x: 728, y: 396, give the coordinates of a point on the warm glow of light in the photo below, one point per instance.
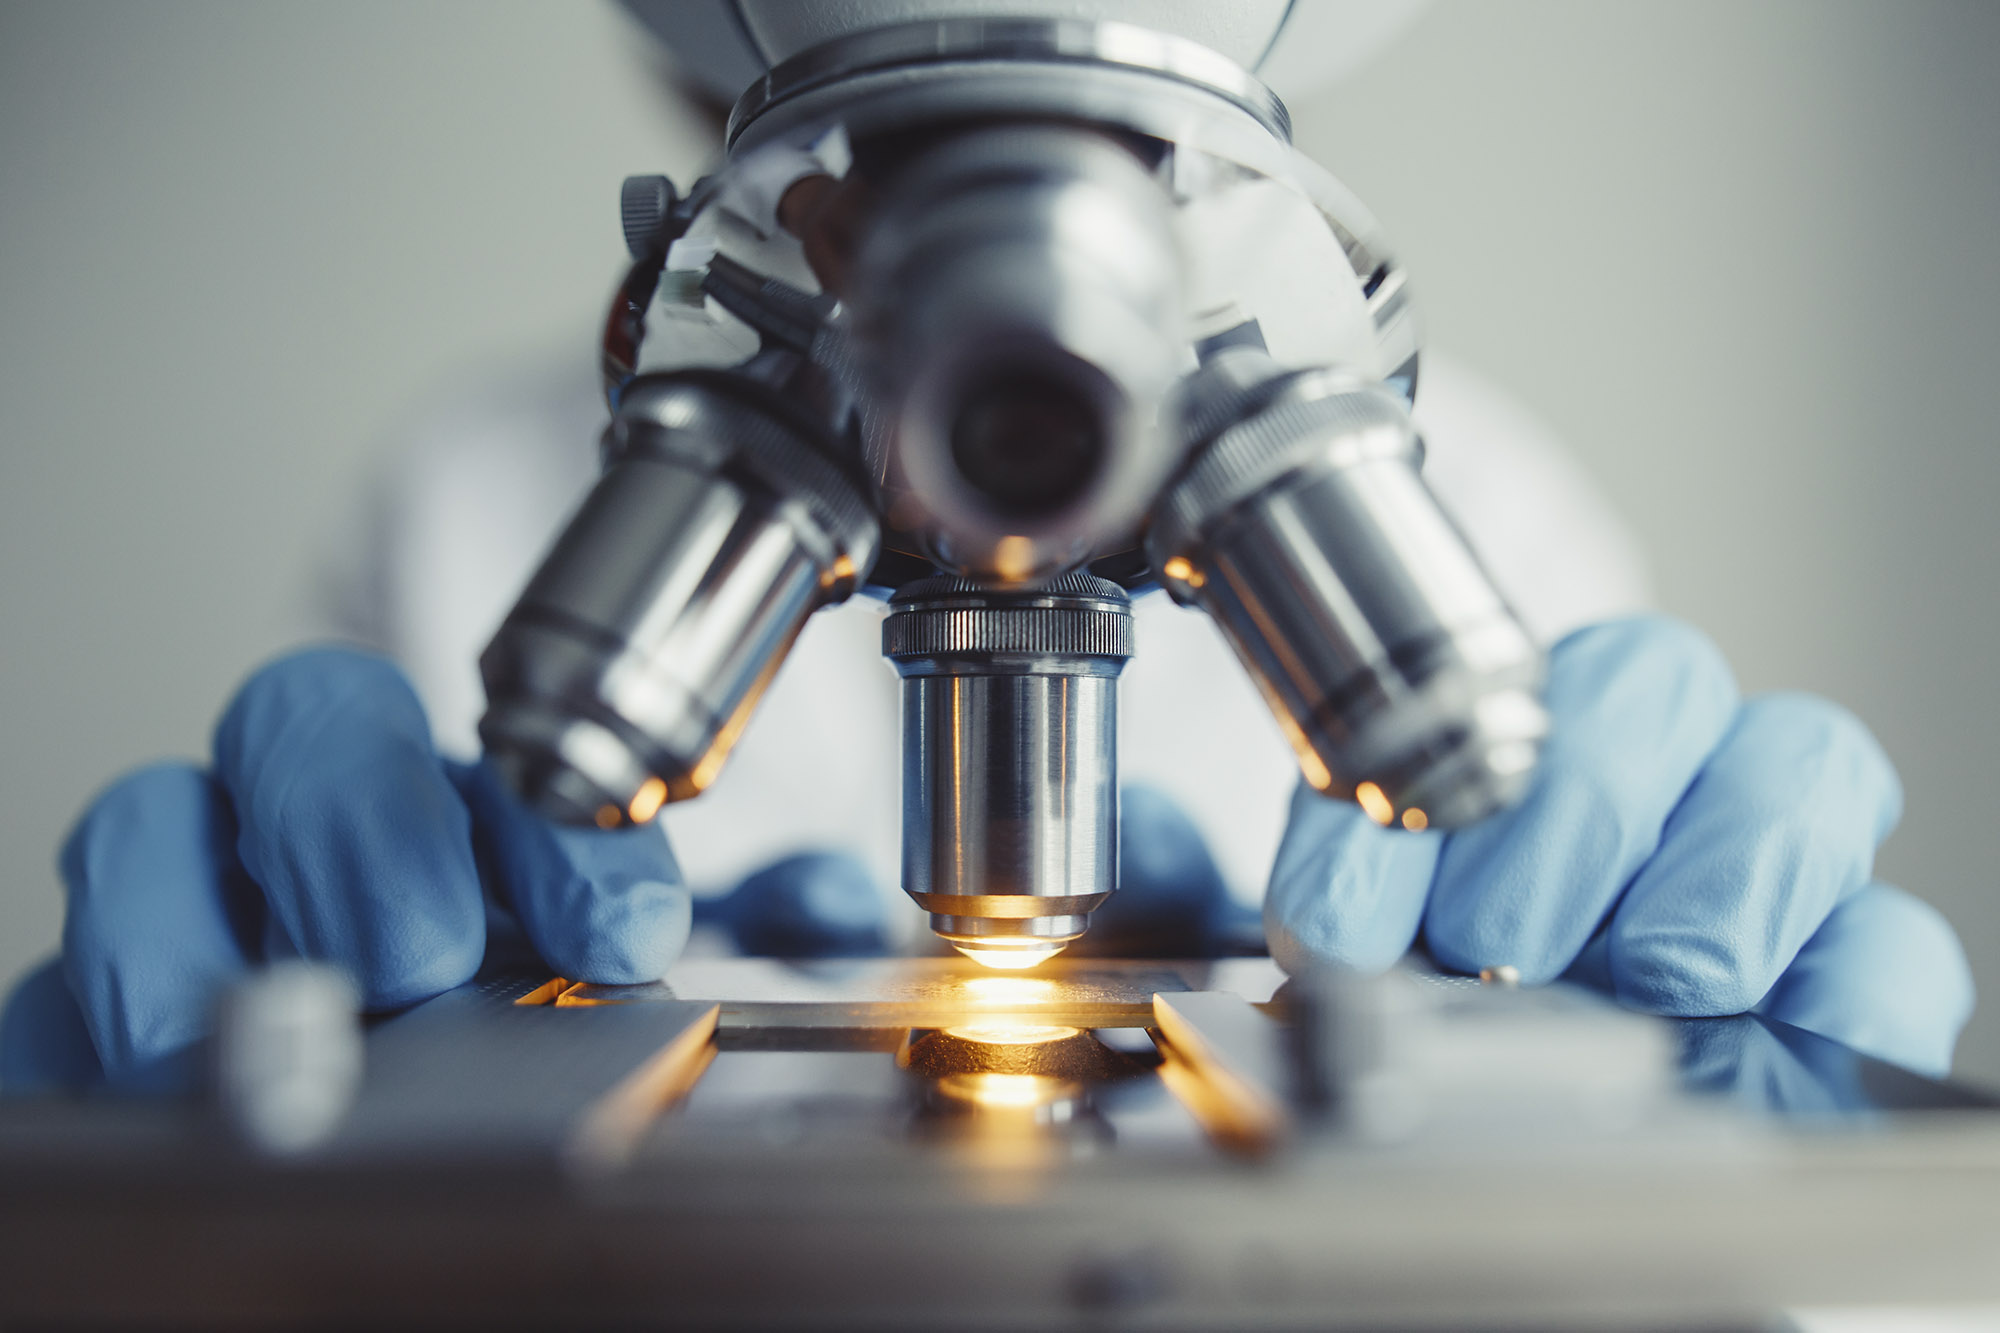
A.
x: 1007, y: 1092
x: 1415, y: 820
x: 1012, y: 959
x: 1014, y: 557
x: 1374, y: 804
x: 609, y: 816
x: 646, y: 802
x: 547, y: 992
x: 1310, y: 763
x: 1009, y: 992
x: 711, y: 763
x: 843, y: 570
x: 1180, y: 569
x: 1011, y: 1034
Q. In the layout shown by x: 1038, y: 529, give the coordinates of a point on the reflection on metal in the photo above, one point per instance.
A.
x: 1043, y: 1050
x: 892, y: 995
x: 1009, y: 1092
x: 614, y: 1125
x: 1014, y: 1097
x: 1223, y: 1060
x: 904, y: 993
x: 577, y: 995
x: 476, y: 1076
x: 546, y: 993
x: 652, y: 794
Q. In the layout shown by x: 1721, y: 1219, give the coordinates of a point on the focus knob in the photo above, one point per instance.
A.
x: 643, y: 205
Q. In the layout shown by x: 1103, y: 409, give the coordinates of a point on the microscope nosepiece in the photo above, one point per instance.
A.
x: 1304, y: 527
x: 629, y: 667
x: 1018, y: 304
x: 1010, y: 763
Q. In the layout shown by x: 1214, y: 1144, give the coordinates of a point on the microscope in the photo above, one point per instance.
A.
x: 1007, y: 321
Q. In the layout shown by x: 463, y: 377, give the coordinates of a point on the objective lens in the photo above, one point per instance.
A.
x: 1010, y: 764
x: 630, y: 666
x: 1029, y: 443
x: 1394, y: 667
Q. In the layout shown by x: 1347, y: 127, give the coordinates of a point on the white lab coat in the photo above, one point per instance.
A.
x: 485, y: 479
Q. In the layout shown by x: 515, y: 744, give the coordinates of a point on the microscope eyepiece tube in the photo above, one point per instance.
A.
x: 629, y: 667
x: 1010, y: 761
x: 1304, y: 527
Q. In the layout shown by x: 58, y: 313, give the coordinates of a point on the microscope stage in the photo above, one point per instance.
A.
x: 919, y: 1143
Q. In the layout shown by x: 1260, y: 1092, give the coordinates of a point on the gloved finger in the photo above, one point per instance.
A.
x: 1345, y: 890
x: 1782, y: 824
x: 814, y: 905
x: 160, y: 919
x: 44, y: 1046
x: 350, y: 825
x: 606, y: 906
x: 1885, y: 975
x: 1637, y: 705
x: 1171, y: 897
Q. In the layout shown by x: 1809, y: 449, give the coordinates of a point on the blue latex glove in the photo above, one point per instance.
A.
x: 813, y: 905
x: 1171, y: 900
x: 1690, y: 852
x: 329, y: 828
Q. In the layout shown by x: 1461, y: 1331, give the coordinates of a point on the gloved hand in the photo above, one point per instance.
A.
x: 1688, y: 851
x: 812, y: 905
x: 328, y: 827
x: 1171, y: 900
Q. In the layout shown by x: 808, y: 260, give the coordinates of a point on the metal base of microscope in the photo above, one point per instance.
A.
x: 921, y: 1144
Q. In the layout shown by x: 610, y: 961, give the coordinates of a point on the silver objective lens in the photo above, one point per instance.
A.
x: 1396, y: 670
x: 1010, y: 760
x: 1017, y: 303
x: 629, y: 667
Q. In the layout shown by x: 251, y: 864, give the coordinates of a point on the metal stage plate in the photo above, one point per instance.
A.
x: 918, y: 1144
x: 935, y: 992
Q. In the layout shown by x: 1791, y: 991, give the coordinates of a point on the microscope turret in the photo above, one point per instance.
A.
x: 1009, y: 321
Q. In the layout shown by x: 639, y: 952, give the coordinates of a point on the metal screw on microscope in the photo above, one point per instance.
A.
x: 287, y: 1056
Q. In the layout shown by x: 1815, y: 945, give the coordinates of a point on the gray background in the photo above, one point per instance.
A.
x: 1742, y: 255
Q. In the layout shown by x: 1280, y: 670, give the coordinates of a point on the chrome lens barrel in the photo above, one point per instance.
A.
x: 1010, y: 760
x: 631, y: 664
x: 1017, y: 304
x: 1395, y: 668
